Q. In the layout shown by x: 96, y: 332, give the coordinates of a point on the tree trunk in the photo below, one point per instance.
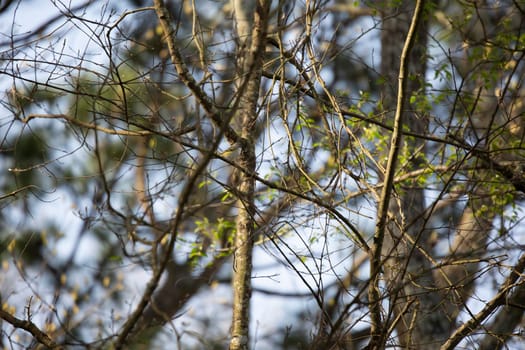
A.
x: 251, y: 41
x: 414, y: 305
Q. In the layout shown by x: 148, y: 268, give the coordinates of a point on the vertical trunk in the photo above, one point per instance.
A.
x: 420, y: 322
x: 424, y: 302
x: 251, y: 43
x: 242, y: 256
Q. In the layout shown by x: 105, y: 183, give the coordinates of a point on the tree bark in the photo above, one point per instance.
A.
x: 378, y: 328
x: 415, y: 309
x: 251, y: 41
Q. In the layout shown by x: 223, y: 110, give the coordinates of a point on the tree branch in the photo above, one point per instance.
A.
x: 382, y: 211
x: 30, y: 327
x: 500, y: 299
x: 105, y: 130
x: 218, y: 117
x: 505, y: 321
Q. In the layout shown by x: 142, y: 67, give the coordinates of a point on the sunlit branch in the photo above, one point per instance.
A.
x: 30, y: 327
x: 377, y: 333
x: 500, y: 298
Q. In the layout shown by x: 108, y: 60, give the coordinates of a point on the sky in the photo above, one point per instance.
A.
x: 30, y: 15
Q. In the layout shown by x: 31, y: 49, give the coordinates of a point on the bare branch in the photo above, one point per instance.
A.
x: 42, y: 337
x: 382, y: 211
x: 500, y: 299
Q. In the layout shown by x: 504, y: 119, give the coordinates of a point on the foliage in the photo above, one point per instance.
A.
x: 142, y: 157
